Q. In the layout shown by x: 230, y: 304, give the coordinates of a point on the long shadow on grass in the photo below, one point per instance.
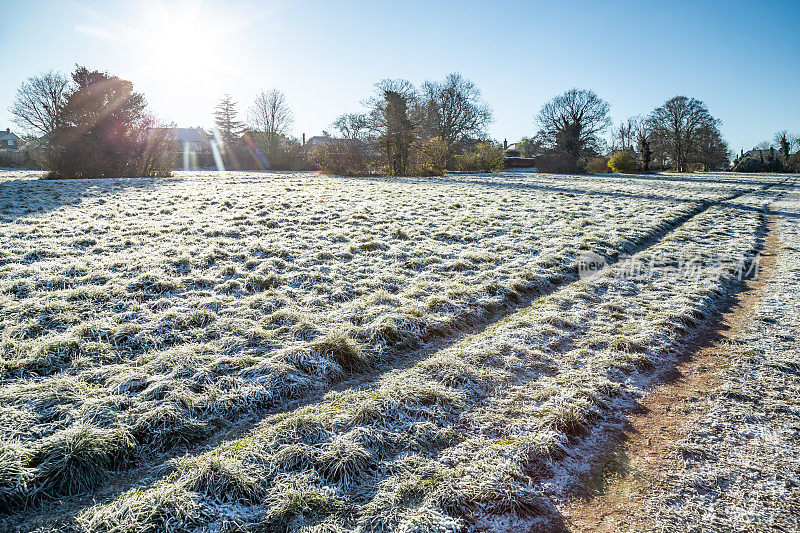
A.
x: 22, y: 198
x: 495, y: 183
x: 719, y: 178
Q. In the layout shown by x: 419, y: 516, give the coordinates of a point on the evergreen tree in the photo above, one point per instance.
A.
x: 784, y: 147
x: 645, y: 153
x: 397, y: 137
x: 103, y: 130
x: 225, y: 116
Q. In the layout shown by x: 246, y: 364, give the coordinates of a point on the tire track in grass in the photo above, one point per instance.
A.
x: 741, y: 466
x: 172, y: 420
x: 637, y: 462
x: 536, y: 503
x: 365, y: 380
x: 651, y: 239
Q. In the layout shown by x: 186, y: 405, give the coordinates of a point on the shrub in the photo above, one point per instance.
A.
x: 486, y: 157
x: 793, y: 164
x: 774, y: 164
x: 623, y: 162
x: 556, y: 164
x: 512, y: 153
x: 749, y: 164
x: 342, y: 157
x: 96, y: 140
x: 597, y: 165
x: 432, y: 157
x: 771, y: 163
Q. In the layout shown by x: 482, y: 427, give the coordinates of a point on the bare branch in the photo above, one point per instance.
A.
x: 39, y: 101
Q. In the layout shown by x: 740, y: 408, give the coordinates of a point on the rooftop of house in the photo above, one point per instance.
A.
x: 757, y: 152
x: 7, y: 134
x: 319, y: 139
x: 190, y: 135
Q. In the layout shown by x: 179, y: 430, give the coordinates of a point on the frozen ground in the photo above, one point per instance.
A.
x: 144, y: 321
x: 741, y: 463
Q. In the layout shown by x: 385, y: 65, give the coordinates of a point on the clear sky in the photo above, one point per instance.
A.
x: 741, y: 58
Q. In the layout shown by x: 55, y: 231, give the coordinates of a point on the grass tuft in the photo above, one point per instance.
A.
x: 222, y: 479
x: 166, y: 426
x: 296, y: 501
x: 163, y: 508
x: 343, y: 461
x: 78, y: 459
x: 15, y: 474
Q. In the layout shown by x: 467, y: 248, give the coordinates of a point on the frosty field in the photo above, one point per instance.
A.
x: 291, y: 351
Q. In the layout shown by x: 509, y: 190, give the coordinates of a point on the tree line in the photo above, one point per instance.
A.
x: 93, y: 124
x: 680, y: 135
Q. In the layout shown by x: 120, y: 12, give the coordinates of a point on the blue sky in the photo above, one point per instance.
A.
x: 741, y: 58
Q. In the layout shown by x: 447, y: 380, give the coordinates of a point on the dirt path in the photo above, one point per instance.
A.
x: 639, y: 464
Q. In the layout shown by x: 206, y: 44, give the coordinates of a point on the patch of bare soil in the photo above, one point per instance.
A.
x: 637, y: 466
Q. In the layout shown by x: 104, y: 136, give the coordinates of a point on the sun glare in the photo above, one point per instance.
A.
x: 182, y: 44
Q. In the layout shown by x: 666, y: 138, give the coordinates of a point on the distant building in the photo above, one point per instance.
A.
x: 191, y: 147
x: 193, y: 139
x: 10, y: 141
x: 321, y: 140
x: 760, y: 154
x: 757, y: 154
x: 324, y: 140
x: 318, y: 140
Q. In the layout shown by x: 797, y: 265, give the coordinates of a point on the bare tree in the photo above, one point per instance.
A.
x: 453, y: 109
x: 351, y: 126
x: 270, y: 118
x: 675, y: 129
x: 624, y: 135
x: 39, y: 101
x: 572, y: 123
x: 763, y: 145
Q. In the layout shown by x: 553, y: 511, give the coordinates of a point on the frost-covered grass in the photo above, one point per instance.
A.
x: 483, y: 432
x: 741, y: 461
x: 142, y: 316
x: 158, y: 308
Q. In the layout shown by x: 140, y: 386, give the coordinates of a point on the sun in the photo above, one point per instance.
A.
x: 181, y: 43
